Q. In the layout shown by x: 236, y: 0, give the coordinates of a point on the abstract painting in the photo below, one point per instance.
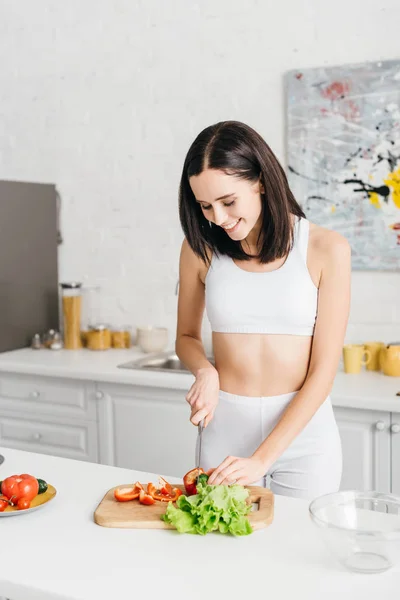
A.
x: 343, y: 155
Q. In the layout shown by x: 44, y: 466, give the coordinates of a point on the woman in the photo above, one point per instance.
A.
x: 277, y: 291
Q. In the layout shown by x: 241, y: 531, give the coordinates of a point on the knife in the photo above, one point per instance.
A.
x: 200, y: 428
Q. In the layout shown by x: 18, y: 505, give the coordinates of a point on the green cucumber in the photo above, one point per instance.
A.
x: 42, y: 486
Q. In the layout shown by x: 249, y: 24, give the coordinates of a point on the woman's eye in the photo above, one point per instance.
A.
x: 205, y: 207
x: 229, y: 203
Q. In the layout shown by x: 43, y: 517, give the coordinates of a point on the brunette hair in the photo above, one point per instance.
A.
x: 238, y: 150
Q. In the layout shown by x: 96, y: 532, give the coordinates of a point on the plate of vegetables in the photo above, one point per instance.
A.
x: 20, y: 494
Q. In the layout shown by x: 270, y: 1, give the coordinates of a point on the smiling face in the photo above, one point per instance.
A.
x: 229, y: 202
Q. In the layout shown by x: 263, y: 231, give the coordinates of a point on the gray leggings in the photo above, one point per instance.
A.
x: 311, y: 466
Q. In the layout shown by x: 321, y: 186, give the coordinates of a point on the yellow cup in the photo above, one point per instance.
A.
x: 353, y: 357
x: 375, y: 350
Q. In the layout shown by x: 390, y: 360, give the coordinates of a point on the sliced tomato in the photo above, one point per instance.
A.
x: 145, y: 498
x: 126, y: 493
x: 165, y: 493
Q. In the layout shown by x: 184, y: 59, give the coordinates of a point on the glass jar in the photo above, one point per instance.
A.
x: 98, y: 337
x: 121, y: 337
x: 71, y: 310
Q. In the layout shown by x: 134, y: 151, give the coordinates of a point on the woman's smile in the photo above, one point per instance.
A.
x: 232, y: 226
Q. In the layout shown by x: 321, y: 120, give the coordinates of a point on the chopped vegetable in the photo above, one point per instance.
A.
x: 165, y: 492
x: 146, y: 498
x: 214, y: 508
x: 126, y: 493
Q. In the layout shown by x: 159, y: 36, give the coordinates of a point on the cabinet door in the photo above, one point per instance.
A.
x: 146, y: 429
x: 395, y: 443
x: 68, y: 438
x: 365, y: 436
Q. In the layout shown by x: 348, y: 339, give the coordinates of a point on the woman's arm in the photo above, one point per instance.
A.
x: 203, y: 395
x: 189, y: 345
x: 330, y: 329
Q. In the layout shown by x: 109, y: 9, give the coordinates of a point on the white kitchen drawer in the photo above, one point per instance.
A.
x: 66, y: 439
x: 47, y: 395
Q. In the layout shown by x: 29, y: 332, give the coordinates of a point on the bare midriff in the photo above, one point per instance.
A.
x: 261, y: 364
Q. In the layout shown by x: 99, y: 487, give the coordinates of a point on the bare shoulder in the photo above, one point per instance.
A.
x: 190, y: 260
x: 328, y: 244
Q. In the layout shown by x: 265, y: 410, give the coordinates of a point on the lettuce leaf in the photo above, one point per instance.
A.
x: 214, y: 508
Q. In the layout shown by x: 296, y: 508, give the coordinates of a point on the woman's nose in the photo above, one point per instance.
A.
x: 219, y: 216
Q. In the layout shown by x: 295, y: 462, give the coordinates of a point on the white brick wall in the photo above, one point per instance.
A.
x: 103, y: 98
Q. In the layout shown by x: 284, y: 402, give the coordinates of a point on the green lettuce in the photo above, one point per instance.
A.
x: 214, y: 508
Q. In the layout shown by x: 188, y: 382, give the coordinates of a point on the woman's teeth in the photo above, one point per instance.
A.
x: 231, y: 225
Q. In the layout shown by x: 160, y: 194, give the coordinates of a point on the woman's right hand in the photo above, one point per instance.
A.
x: 203, y: 395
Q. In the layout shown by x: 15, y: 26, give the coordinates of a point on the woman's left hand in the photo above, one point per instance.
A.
x: 242, y: 471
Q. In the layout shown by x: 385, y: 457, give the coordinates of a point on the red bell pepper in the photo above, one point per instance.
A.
x: 126, y: 493
x: 190, y: 481
x: 20, y: 486
x: 165, y: 492
x: 146, y: 498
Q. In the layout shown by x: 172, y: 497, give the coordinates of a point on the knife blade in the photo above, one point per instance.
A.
x: 200, y: 428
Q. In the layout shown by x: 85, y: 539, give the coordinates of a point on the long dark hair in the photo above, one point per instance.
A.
x: 238, y: 150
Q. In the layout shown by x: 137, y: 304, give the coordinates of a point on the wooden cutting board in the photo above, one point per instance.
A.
x: 134, y: 515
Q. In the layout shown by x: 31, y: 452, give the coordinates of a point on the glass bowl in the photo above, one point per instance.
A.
x: 362, y: 529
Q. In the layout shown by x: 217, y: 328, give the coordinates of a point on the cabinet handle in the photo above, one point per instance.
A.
x: 380, y: 425
x: 37, y: 436
x: 99, y: 395
x: 395, y: 428
x: 35, y: 394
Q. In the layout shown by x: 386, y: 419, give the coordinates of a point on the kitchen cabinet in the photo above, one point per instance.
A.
x: 395, y: 452
x: 146, y: 429
x: 49, y: 415
x: 366, y: 444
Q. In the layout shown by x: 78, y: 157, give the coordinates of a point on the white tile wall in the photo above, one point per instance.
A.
x: 104, y: 97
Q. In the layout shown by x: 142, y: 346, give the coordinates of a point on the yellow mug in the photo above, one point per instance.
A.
x: 375, y: 349
x: 353, y: 357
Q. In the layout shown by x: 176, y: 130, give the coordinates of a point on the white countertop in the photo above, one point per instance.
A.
x: 59, y: 552
x: 369, y: 390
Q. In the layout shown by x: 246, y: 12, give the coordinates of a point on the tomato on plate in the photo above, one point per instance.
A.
x: 126, y: 493
x: 23, y: 503
x: 3, y: 503
x: 20, y: 486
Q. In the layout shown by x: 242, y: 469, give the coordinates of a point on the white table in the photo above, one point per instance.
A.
x: 59, y: 552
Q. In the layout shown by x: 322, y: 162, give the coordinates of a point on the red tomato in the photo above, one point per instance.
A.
x: 23, y: 503
x: 3, y: 504
x: 20, y: 486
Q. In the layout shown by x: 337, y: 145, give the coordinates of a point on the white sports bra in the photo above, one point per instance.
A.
x: 280, y: 301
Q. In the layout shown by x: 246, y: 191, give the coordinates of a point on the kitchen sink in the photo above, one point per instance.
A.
x: 164, y: 361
